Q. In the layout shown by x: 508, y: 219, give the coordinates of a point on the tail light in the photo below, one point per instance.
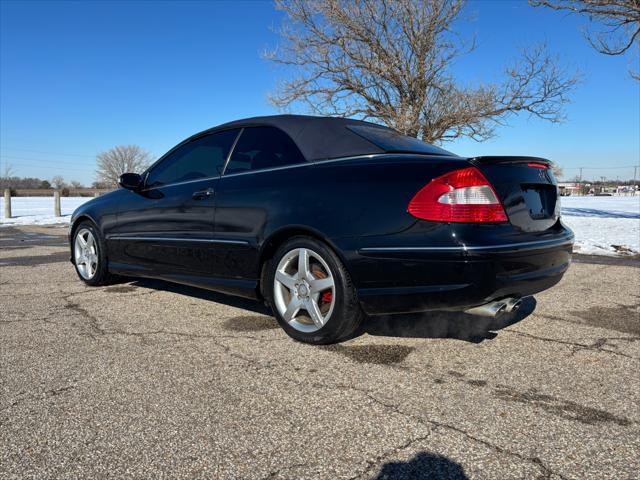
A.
x: 544, y: 166
x: 459, y: 196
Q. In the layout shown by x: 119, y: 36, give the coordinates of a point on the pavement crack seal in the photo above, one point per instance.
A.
x: 29, y: 320
x: 547, y: 473
x: 598, y: 345
x: 224, y: 346
x: 566, y: 409
x: 92, y: 321
x: 96, y: 329
x: 193, y: 336
x: 38, y: 396
x: 278, y: 472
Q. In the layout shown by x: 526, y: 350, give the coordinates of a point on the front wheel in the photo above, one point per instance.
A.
x: 89, y: 255
x: 311, y: 293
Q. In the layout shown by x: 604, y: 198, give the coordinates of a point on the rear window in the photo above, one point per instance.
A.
x: 392, y: 141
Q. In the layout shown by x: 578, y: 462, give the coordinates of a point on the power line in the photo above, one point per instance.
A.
x: 85, y: 168
x: 10, y: 157
x: 599, y: 168
x: 48, y: 153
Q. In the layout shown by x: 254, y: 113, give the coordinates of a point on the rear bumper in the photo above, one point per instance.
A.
x: 454, y: 278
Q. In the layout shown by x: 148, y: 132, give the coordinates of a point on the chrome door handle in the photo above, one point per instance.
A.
x: 200, y: 194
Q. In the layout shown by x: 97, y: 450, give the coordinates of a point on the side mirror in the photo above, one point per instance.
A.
x: 130, y: 181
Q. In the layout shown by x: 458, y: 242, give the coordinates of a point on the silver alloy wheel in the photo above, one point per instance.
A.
x: 304, y: 290
x: 85, y: 253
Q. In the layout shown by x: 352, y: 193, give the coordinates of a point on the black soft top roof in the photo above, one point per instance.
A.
x: 317, y: 138
x: 320, y: 138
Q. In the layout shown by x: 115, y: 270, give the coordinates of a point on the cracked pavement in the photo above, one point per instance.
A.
x: 147, y: 379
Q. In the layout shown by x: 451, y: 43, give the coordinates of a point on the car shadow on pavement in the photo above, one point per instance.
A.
x: 195, y: 292
x: 457, y: 325
x: 424, y: 465
x: 436, y: 324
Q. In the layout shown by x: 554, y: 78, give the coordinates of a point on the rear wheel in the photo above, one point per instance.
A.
x: 311, y: 293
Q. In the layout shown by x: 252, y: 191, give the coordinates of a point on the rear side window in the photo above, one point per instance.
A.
x: 201, y: 158
x: 392, y: 141
x: 263, y: 147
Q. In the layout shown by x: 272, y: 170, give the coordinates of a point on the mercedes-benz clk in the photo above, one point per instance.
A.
x: 329, y: 220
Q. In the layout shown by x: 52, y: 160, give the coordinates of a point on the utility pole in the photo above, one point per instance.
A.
x: 580, y: 181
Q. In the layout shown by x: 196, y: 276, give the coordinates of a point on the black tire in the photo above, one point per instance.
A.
x: 346, y: 315
x: 102, y: 275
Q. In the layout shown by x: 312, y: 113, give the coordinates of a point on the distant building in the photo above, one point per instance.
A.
x: 569, y: 188
x: 627, y: 190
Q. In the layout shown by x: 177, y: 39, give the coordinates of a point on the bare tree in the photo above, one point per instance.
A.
x: 557, y: 170
x: 8, y: 171
x: 58, y: 182
x: 617, y: 23
x: 20, y: 182
x: 76, y: 184
x: 390, y: 61
x: 119, y: 160
x: 101, y: 185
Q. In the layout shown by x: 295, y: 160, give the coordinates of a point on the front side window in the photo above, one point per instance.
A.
x: 204, y: 157
x: 263, y: 147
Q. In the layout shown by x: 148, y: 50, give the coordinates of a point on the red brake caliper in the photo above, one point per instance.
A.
x: 327, y: 297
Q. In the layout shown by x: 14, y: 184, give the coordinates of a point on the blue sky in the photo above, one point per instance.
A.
x: 77, y: 78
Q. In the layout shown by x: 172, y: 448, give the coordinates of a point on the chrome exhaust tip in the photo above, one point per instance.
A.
x: 513, y: 304
x: 493, y: 309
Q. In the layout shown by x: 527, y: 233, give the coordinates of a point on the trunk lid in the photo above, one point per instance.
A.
x: 526, y: 187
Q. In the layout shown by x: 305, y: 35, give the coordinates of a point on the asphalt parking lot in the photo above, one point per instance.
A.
x: 144, y: 379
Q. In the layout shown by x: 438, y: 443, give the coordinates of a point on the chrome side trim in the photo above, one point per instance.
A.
x: 307, y: 164
x: 475, y: 248
x: 377, y: 155
x: 262, y: 170
x: 177, y: 239
x: 168, y: 185
x: 353, y: 157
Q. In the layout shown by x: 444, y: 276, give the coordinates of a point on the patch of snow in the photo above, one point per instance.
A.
x: 39, y: 210
x: 603, y: 225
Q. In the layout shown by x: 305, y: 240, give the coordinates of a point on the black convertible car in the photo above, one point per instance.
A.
x: 328, y: 219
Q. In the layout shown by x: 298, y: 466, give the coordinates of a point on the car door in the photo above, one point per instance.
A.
x: 166, y: 228
x: 258, y: 186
